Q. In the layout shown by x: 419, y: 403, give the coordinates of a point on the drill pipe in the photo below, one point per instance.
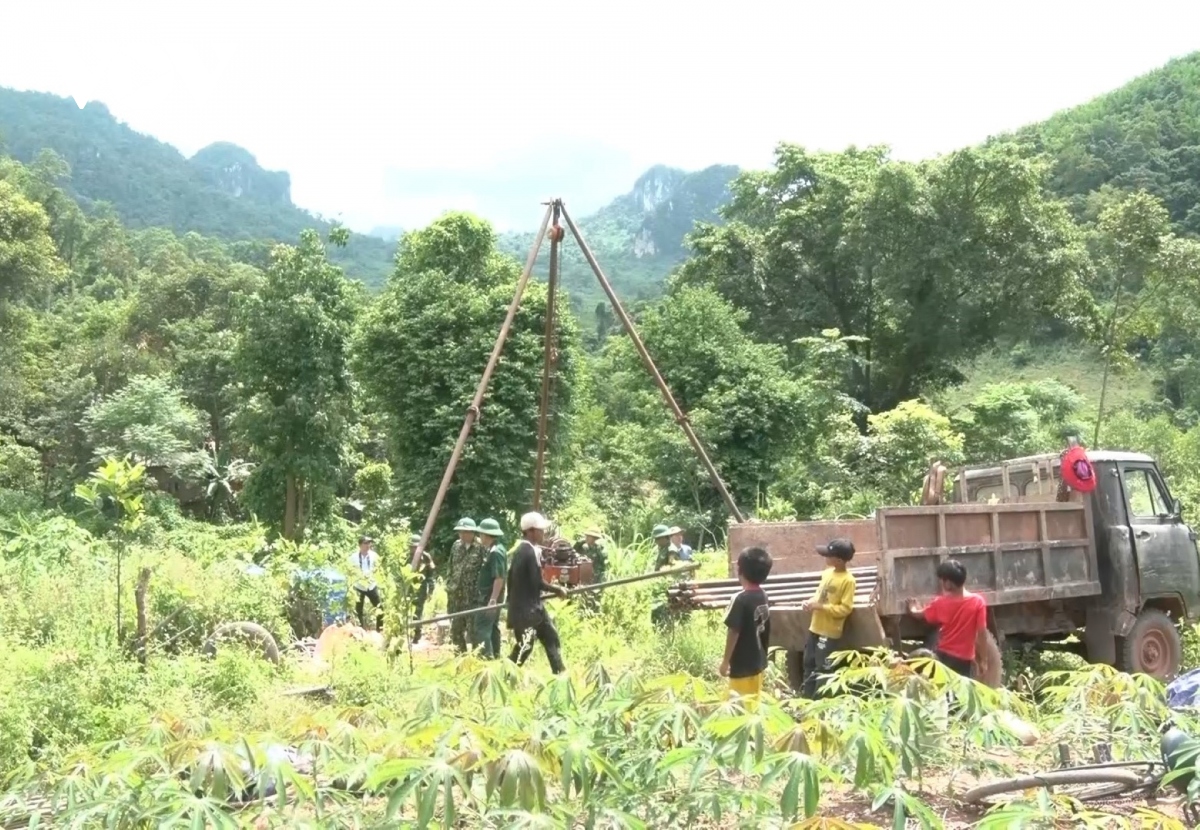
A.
x: 582, y: 589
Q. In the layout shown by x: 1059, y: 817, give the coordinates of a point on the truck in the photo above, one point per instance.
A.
x: 1108, y: 574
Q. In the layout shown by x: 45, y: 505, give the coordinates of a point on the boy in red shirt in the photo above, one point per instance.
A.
x: 961, y: 615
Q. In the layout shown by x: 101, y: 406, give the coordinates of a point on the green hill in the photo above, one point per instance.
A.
x: 221, y: 191
x: 1143, y: 136
x: 224, y: 193
x: 638, y: 237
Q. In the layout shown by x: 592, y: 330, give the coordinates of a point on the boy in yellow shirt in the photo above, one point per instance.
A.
x: 830, y: 607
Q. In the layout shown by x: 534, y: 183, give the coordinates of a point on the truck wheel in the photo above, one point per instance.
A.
x: 249, y: 633
x: 1152, y: 647
x: 988, y: 668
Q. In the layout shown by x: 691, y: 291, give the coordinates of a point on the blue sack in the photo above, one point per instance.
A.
x: 1184, y: 691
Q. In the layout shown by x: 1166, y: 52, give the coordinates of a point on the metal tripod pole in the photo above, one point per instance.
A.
x: 680, y: 417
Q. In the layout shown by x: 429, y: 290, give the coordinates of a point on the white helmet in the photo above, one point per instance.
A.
x: 534, y: 521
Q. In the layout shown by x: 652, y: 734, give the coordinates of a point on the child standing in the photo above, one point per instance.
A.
x: 748, y: 621
x: 961, y: 615
x: 830, y: 607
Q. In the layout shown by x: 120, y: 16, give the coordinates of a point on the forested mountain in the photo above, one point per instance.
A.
x: 220, y: 192
x: 638, y: 237
x: 823, y: 307
x: 1143, y: 136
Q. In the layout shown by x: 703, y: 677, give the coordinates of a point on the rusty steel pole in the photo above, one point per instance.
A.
x: 473, y: 410
x: 680, y: 417
x: 548, y: 359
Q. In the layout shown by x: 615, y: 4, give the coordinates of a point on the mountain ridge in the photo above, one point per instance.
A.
x: 222, y: 191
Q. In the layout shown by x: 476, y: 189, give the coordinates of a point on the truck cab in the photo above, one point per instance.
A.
x: 1146, y: 555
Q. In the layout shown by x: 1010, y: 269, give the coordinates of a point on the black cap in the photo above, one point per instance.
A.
x: 839, y: 548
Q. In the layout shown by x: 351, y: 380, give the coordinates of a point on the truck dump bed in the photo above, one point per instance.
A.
x: 1014, y: 553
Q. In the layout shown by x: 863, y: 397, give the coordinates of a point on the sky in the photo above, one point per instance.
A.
x: 389, y: 113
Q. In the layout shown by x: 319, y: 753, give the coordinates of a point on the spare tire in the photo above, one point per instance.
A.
x: 249, y: 633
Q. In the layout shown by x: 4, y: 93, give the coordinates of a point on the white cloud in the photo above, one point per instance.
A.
x: 357, y: 97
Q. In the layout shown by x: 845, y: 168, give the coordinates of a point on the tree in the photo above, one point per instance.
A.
x: 149, y: 421
x: 1010, y: 420
x: 29, y: 263
x: 902, y: 443
x: 926, y: 263
x: 293, y: 365
x: 1127, y: 249
x: 421, y: 350
x: 750, y: 410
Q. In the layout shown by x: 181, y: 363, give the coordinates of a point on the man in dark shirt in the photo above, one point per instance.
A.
x: 527, y: 617
x: 748, y: 623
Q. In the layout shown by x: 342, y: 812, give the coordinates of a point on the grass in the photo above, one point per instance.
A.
x: 1078, y: 367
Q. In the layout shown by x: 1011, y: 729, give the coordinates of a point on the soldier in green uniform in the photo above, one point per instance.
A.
x: 666, y: 557
x: 428, y: 571
x: 593, y: 548
x: 668, y: 553
x: 489, y: 590
x: 460, y: 581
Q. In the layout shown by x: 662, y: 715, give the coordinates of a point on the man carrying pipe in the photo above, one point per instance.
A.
x: 527, y: 617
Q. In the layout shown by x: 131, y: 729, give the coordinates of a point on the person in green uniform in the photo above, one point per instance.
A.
x: 460, y: 584
x: 666, y: 556
x: 489, y: 590
x: 428, y: 571
x: 592, y: 547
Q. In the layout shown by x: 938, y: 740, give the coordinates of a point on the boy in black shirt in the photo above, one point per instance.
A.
x: 749, y: 624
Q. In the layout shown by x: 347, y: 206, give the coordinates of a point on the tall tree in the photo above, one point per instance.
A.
x: 927, y: 263
x: 293, y: 363
x: 421, y: 351
x: 751, y: 410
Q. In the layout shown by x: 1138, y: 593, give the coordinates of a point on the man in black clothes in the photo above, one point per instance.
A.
x: 527, y: 617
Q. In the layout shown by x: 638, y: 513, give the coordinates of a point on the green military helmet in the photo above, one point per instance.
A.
x: 466, y: 525
x: 490, y: 527
x: 660, y: 531
x: 593, y: 532
x: 415, y: 539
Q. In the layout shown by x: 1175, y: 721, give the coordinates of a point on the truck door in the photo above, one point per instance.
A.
x: 1165, y: 547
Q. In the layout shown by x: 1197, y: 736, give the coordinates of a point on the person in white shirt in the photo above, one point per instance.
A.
x: 363, y: 563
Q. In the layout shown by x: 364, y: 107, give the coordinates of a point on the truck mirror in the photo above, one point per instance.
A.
x: 1177, y: 508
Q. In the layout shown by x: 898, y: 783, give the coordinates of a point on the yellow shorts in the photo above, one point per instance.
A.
x: 746, y: 686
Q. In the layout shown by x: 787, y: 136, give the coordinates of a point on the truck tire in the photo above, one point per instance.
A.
x: 247, y: 632
x: 1152, y: 647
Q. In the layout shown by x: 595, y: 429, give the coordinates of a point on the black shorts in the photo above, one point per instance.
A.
x: 956, y: 664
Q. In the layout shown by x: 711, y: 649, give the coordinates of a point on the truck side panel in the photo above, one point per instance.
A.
x: 793, y: 545
x: 1014, y: 553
